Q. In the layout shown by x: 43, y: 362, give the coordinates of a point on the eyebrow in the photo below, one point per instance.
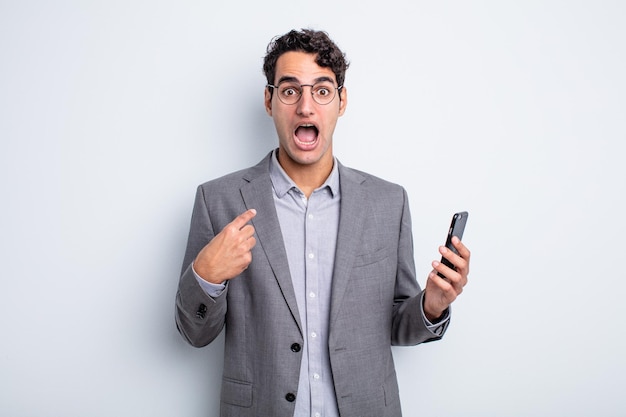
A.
x: 294, y: 79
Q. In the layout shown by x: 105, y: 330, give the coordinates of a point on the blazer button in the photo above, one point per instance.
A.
x: 290, y: 397
x: 201, y: 313
x: 296, y: 347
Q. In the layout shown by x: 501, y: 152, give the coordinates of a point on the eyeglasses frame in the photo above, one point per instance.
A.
x: 337, y: 90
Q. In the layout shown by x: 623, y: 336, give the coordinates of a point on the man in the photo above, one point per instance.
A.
x: 308, y: 264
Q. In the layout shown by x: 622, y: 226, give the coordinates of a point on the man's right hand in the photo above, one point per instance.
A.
x: 229, y: 253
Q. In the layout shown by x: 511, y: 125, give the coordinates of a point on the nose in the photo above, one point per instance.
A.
x: 306, y: 104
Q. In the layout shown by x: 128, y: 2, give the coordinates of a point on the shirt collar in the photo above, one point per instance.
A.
x: 282, y: 183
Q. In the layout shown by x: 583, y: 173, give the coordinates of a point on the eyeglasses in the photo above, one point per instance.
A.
x: 290, y: 92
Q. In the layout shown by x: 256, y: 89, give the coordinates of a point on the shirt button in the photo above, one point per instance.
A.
x: 312, y: 294
x: 310, y: 217
x: 311, y: 256
x: 296, y: 347
x: 313, y: 334
x: 318, y: 415
x: 291, y: 397
x: 316, y: 376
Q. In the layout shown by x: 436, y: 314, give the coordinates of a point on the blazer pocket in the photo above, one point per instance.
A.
x: 236, y: 392
x: 371, y: 258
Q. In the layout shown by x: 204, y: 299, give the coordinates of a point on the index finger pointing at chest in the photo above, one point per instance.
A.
x: 241, y: 220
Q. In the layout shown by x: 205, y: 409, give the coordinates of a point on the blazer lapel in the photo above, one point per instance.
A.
x: 257, y: 194
x: 351, y: 217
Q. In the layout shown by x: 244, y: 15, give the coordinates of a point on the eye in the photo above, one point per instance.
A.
x: 322, y: 91
x: 290, y: 91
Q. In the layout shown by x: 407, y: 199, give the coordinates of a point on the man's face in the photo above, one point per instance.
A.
x: 305, y: 129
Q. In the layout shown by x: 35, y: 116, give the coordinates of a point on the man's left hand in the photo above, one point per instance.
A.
x: 440, y: 292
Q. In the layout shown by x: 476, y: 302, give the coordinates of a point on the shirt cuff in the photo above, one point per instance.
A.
x: 212, y: 290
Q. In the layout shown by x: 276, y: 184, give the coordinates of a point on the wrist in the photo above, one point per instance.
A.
x: 203, y: 274
x: 434, y: 318
x: 431, y: 314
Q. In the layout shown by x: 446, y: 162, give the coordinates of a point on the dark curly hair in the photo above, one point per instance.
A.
x: 310, y: 41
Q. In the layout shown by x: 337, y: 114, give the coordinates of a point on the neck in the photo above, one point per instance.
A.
x: 307, y: 177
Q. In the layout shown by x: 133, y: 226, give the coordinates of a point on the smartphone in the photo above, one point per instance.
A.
x: 457, y: 226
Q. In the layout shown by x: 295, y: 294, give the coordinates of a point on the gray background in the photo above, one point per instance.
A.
x: 111, y: 112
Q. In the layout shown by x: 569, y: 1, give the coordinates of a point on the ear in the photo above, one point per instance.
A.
x: 268, y: 102
x: 343, y: 95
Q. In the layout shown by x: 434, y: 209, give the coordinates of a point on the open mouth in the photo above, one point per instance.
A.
x: 306, y: 134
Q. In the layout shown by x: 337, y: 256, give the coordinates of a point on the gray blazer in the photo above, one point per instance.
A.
x: 375, y: 301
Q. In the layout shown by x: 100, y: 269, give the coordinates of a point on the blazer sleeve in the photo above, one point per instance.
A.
x: 409, y: 324
x: 199, y: 317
